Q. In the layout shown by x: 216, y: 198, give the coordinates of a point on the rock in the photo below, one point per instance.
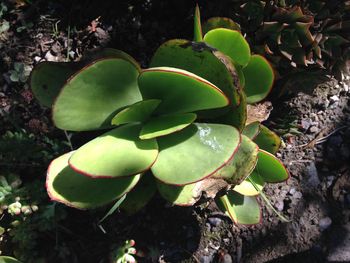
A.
x: 297, y: 195
x: 214, y: 221
x: 325, y: 223
x: 334, y: 98
x: 312, y: 180
x: 314, y: 129
x: 305, y: 124
x: 292, y: 191
x: 279, y: 205
x: 206, y: 259
x: 339, y: 251
x: 226, y: 259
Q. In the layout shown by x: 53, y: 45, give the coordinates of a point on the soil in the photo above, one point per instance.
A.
x: 312, y: 117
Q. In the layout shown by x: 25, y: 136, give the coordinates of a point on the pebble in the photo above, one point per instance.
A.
x: 226, y: 259
x: 292, y: 191
x: 334, y: 98
x: 313, y: 129
x: 325, y: 223
x: 214, y: 221
x: 297, y: 195
x: 312, y: 176
x: 206, y: 259
x: 279, y: 205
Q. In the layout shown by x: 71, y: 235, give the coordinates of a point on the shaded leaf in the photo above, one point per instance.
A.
x: 66, y: 186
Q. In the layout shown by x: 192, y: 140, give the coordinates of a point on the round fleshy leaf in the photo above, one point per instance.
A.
x: 241, y: 209
x: 252, y: 130
x: 47, y: 79
x: 119, y: 152
x: 201, y: 60
x: 268, y: 140
x: 91, y: 97
x: 247, y: 188
x: 179, y: 195
x: 231, y: 43
x: 66, y: 186
x: 166, y: 124
x: 236, y: 116
x: 140, y: 195
x: 195, y: 153
x: 242, y: 163
x: 220, y: 22
x: 259, y: 78
x: 270, y: 168
x: 179, y: 90
x: 138, y: 112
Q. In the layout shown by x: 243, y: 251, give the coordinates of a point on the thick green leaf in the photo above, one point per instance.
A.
x: 270, y: 168
x: 197, y: 36
x: 47, y: 79
x: 166, y: 124
x: 267, y: 140
x: 241, y: 209
x: 66, y: 186
x: 247, y: 188
x: 220, y: 22
x: 138, y: 112
x: 252, y: 130
x: 201, y: 60
x: 195, y: 153
x: 91, y: 97
x: 6, y: 259
x: 236, y: 116
x: 179, y: 195
x: 142, y: 193
x: 179, y: 90
x: 242, y: 164
x: 231, y: 43
x: 259, y: 78
x: 119, y: 152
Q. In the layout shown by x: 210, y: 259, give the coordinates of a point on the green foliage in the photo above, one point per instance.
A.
x: 175, y: 126
x: 19, y: 73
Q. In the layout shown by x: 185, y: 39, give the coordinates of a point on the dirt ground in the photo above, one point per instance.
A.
x: 312, y: 116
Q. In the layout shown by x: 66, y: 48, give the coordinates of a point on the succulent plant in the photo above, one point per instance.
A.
x: 178, y: 127
x: 6, y: 259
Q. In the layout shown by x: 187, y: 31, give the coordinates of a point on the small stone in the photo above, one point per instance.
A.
x: 305, y: 124
x: 279, y: 205
x: 313, y: 129
x: 297, y: 195
x: 346, y: 88
x: 50, y: 57
x: 334, y: 98
x: 206, y: 259
x: 325, y: 223
x: 292, y: 191
x: 226, y: 259
x: 312, y: 176
x: 214, y: 221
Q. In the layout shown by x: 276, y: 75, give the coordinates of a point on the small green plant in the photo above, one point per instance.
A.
x: 125, y: 253
x: 20, y: 72
x: 178, y: 127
